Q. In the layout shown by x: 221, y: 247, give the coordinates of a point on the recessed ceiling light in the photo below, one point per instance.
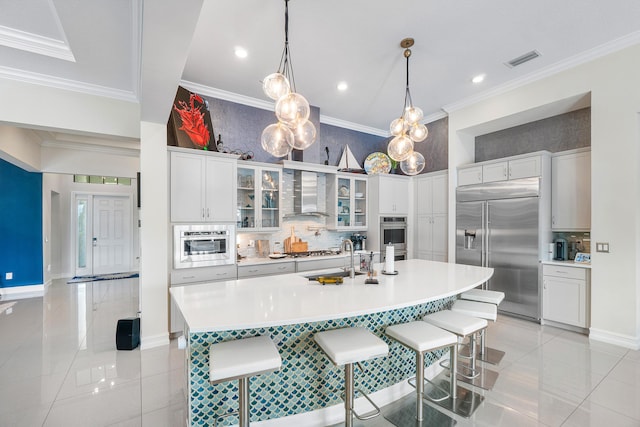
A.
x: 478, y: 79
x: 241, y: 52
x: 342, y: 86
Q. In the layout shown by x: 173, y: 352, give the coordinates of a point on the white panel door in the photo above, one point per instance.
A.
x: 111, y: 234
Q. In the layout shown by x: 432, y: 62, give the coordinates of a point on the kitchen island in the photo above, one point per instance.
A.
x: 291, y: 309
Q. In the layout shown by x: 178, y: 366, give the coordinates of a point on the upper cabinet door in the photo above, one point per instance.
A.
x: 220, y: 190
x: 187, y: 187
x: 470, y: 175
x: 571, y: 192
x: 494, y: 172
x: 525, y: 168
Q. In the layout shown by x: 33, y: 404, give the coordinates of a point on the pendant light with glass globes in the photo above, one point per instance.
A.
x: 407, y: 129
x: 293, y: 130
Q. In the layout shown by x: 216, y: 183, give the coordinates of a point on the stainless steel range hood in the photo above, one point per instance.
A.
x: 305, y: 194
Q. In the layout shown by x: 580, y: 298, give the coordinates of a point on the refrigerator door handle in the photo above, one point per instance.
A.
x: 483, y: 253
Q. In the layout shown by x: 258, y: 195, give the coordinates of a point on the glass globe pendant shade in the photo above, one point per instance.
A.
x: 275, y: 86
x: 304, y: 135
x: 292, y: 109
x: 400, y: 148
x: 277, y: 139
x: 413, y: 114
x: 398, y: 126
x: 413, y: 165
x: 418, y: 132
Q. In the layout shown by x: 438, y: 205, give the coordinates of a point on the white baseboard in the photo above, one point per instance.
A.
x: 335, y: 414
x: 154, y: 341
x: 21, y: 292
x: 626, y: 341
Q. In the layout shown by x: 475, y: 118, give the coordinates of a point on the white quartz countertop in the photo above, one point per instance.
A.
x: 567, y: 263
x: 292, y: 298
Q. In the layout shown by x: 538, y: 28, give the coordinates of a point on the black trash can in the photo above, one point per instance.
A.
x: 128, y: 333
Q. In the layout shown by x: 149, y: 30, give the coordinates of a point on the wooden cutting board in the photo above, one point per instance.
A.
x: 289, y: 241
x: 299, y: 246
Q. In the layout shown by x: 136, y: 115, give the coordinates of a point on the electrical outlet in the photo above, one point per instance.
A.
x: 252, y: 243
x: 8, y: 276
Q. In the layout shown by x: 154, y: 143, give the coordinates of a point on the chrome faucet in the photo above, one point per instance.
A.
x: 352, y: 271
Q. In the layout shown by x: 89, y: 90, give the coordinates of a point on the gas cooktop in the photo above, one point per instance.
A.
x: 322, y: 252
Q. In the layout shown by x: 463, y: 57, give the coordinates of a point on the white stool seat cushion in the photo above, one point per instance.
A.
x: 421, y: 336
x: 481, y: 295
x: 482, y: 310
x: 458, y: 323
x: 243, y: 358
x: 350, y: 345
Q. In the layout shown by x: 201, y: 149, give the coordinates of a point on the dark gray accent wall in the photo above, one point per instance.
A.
x: 241, y: 126
x: 559, y: 133
x: 435, y: 148
x: 361, y: 144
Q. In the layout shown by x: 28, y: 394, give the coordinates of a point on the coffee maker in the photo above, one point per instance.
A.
x: 358, y: 241
x: 561, y: 250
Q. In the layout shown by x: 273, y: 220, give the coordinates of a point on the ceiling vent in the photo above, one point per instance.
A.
x: 523, y: 58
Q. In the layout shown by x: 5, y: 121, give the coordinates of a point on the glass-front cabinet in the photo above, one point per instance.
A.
x: 348, y: 194
x: 258, y: 197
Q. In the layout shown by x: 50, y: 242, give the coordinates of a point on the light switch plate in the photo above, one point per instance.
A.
x: 602, y: 247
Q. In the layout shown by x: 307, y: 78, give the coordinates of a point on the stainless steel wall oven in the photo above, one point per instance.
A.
x: 393, y: 230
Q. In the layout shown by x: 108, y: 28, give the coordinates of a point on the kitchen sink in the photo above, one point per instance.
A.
x: 331, y: 273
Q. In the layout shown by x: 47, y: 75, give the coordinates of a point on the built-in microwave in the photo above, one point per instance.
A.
x: 203, y: 245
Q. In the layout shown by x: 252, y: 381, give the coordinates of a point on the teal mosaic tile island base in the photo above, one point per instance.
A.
x: 308, y: 381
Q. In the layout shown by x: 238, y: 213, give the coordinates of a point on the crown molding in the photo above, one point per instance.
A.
x: 35, y: 43
x: 435, y: 116
x: 66, y: 84
x: 571, y: 62
x: 227, y: 96
x: 353, y: 126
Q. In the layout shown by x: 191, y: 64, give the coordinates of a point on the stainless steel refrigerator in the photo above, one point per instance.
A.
x: 504, y: 225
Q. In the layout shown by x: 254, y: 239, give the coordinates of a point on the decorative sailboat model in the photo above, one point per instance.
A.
x: 348, y: 162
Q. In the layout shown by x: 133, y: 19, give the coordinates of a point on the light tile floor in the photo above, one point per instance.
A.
x: 59, y: 367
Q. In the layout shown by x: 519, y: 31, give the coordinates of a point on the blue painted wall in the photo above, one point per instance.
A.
x: 20, y: 226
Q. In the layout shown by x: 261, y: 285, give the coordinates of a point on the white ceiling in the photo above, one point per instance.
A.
x: 94, y: 46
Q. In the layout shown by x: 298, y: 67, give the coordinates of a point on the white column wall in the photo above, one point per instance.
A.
x: 154, y: 235
x: 613, y: 82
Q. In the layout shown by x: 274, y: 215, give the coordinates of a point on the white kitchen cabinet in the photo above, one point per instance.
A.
x: 566, y: 295
x: 347, y: 202
x: 516, y: 167
x: 390, y: 193
x: 431, y: 216
x: 470, y: 175
x: 571, y: 191
x: 321, y: 263
x: 201, y: 190
x: 258, y: 197
x: 495, y: 172
x: 266, y: 269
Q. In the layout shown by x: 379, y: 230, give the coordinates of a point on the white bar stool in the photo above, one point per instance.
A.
x: 462, y: 326
x: 423, y: 337
x: 486, y: 378
x: 348, y: 346
x: 486, y: 354
x: 239, y: 360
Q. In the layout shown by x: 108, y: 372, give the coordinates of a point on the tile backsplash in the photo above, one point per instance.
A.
x: 581, y: 241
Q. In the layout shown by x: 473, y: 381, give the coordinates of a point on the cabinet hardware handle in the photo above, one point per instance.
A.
x: 510, y: 171
x: 221, y: 274
x: 544, y: 283
x: 282, y: 268
x: 188, y: 277
x: 207, y: 212
x: 203, y: 213
x: 253, y: 271
x: 479, y: 177
x: 504, y: 171
x: 561, y: 272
